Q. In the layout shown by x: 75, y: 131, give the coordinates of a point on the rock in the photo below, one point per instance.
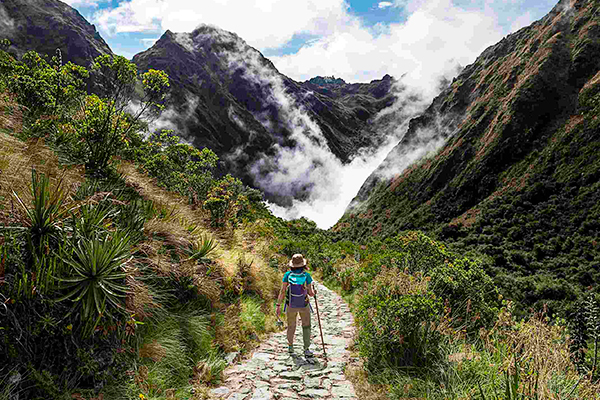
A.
x: 44, y: 26
x: 312, y: 382
x: 230, y: 82
x: 295, y: 376
x: 220, y: 391
x: 315, y: 393
x: 344, y: 391
x: 262, y: 357
x: 262, y: 393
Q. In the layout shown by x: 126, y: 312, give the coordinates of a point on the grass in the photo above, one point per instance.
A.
x: 176, y: 345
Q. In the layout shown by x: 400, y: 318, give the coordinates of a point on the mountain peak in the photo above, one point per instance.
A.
x: 326, y: 80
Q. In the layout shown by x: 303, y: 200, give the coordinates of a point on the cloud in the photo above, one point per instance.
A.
x: 7, y: 24
x: 435, y: 37
x: 384, y: 4
x: 263, y: 24
x: 84, y: 3
x: 148, y: 42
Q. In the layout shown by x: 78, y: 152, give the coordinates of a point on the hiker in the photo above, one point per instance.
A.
x: 300, y: 285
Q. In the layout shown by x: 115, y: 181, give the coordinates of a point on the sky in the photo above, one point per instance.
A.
x: 357, y: 40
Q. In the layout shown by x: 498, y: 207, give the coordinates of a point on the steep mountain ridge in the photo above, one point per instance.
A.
x: 228, y: 97
x: 518, y: 170
x: 46, y: 25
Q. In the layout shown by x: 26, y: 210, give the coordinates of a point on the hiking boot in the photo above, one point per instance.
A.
x: 308, y: 353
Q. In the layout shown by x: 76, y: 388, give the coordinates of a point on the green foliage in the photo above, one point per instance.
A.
x: 200, y: 249
x: 179, y: 167
x: 45, y: 213
x: 224, y: 200
x: 45, y: 87
x: 398, y: 329
x: 96, y: 278
x: 251, y: 316
x: 470, y: 293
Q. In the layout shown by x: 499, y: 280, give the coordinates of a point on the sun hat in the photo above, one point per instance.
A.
x: 297, y: 261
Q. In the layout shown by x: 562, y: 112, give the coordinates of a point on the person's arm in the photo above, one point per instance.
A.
x: 282, y: 292
x: 311, y: 290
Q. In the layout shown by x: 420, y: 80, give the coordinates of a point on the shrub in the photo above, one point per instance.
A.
x: 223, y: 200
x: 397, y: 320
x: 472, y: 298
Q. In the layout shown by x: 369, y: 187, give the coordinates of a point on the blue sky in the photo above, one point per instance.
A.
x: 358, y: 40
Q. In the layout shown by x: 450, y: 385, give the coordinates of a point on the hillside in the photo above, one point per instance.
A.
x: 517, y: 177
x: 226, y: 96
x: 46, y: 25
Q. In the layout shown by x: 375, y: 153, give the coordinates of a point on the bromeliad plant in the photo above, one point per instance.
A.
x: 95, y: 282
x: 44, y: 216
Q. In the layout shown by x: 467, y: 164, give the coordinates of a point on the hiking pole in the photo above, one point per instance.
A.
x: 321, y: 330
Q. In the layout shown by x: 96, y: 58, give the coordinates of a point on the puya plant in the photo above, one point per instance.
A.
x: 45, y: 214
x: 95, y: 283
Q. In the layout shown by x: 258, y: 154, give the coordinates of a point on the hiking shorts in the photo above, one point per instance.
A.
x: 292, y: 316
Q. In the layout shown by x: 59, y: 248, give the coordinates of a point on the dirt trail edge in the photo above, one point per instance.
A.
x: 271, y: 373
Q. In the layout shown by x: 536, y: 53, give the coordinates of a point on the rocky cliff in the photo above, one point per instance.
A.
x: 516, y: 175
x: 226, y: 96
x: 47, y: 25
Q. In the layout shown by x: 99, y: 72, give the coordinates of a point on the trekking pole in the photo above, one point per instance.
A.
x: 321, y: 330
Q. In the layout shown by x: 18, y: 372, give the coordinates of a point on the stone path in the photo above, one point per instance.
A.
x: 272, y: 374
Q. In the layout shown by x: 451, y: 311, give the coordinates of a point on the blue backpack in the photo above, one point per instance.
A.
x: 297, y: 290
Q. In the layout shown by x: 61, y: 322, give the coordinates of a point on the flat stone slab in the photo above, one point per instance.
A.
x: 262, y: 393
x: 315, y: 393
x: 220, y: 391
x: 295, y: 376
x: 262, y: 356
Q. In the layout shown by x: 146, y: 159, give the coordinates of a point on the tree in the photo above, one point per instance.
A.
x: 113, y: 117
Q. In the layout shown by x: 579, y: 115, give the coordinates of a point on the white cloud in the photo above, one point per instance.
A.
x: 84, y: 3
x: 148, y: 42
x: 7, y: 24
x: 263, y: 24
x: 435, y: 37
x: 384, y: 4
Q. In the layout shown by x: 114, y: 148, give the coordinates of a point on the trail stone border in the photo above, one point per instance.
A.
x: 272, y: 374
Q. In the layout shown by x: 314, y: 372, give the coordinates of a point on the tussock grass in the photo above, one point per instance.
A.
x: 16, y: 161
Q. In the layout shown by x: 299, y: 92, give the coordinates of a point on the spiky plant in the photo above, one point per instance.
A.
x: 96, y: 276
x: 199, y: 250
x: 45, y: 213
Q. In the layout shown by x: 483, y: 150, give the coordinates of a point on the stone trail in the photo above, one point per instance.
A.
x: 272, y: 374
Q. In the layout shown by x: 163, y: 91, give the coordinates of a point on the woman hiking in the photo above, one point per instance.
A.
x: 296, y: 287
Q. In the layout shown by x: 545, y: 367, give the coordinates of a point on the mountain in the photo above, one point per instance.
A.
x: 47, y: 25
x: 226, y: 96
x: 516, y: 172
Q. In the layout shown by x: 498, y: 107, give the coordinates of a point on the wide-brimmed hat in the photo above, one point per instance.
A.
x: 297, y: 261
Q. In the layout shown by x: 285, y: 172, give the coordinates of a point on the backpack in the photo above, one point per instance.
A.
x: 297, y: 290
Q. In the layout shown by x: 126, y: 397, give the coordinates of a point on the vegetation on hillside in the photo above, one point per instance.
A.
x: 518, y: 179
x: 128, y: 269
x: 122, y: 273
x: 432, y: 324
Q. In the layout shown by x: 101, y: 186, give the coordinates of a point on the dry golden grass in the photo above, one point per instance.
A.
x: 153, y: 350
x: 541, y: 351
x: 11, y: 114
x: 356, y: 373
x: 16, y: 162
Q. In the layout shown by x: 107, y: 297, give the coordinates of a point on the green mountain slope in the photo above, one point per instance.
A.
x: 517, y: 178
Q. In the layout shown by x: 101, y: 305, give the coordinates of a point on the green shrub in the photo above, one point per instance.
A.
x: 472, y: 298
x: 397, y: 321
x: 223, y: 200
